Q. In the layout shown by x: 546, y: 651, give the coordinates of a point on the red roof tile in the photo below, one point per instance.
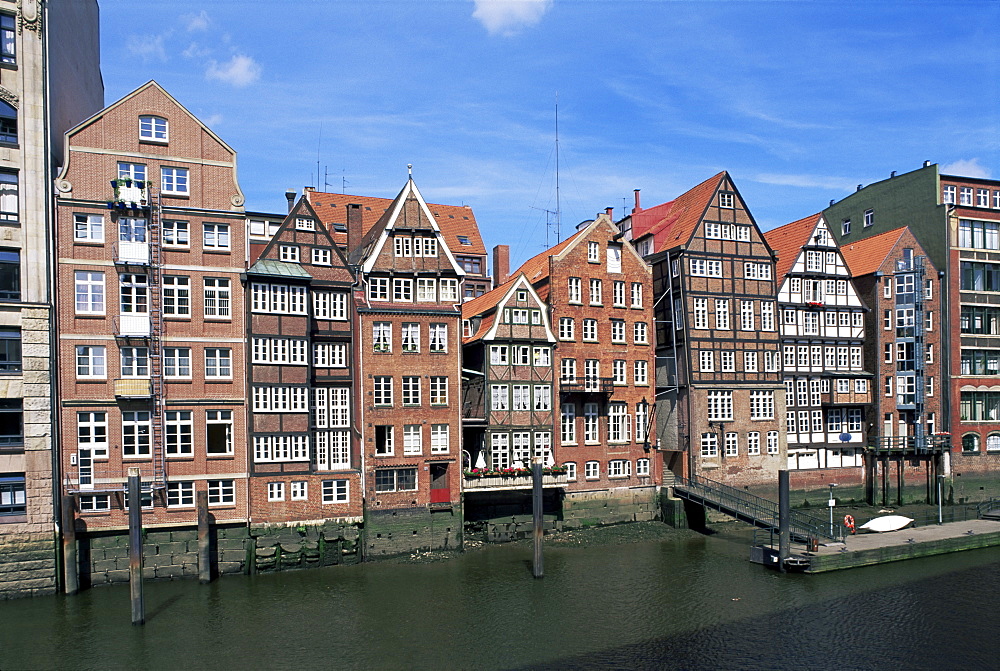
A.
x: 454, y: 220
x: 865, y: 257
x: 537, y: 267
x: 672, y: 224
x: 787, y: 241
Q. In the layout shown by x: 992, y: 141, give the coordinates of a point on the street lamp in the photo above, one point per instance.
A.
x: 831, y: 503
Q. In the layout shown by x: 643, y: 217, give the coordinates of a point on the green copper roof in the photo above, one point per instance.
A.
x: 279, y: 269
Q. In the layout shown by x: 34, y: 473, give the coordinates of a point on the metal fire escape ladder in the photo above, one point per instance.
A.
x: 158, y: 397
x: 919, y: 353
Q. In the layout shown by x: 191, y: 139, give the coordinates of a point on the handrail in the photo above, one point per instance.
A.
x: 762, y: 511
x: 987, y: 506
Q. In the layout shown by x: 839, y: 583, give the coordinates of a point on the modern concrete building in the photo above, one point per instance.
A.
x: 50, y: 79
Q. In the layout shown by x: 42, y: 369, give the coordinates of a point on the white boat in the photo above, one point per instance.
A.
x: 886, y: 523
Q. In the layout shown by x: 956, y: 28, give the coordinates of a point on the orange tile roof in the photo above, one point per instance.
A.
x: 481, y: 304
x: 454, y: 220
x: 787, y: 241
x: 537, y: 267
x: 676, y: 221
x: 865, y: 257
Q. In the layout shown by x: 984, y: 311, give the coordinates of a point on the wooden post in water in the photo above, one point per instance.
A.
x: 71, y: 578
x: 135, y: 545
x: 536, y: 512
x: 784, y: 518
x: 204, y: 539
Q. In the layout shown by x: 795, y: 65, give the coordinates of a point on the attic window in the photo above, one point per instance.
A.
x: 368, y: 209
x: 466, y: 218
x: 152, y: 128
x: 725, y: 199
x: 305, y: 224
x: 464, y: 240
x: 451, y: 216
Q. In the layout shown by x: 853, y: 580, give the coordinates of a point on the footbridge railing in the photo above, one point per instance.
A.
x: 755, y: 510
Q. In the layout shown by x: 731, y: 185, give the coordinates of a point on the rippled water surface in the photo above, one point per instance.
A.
x: 692, y: 602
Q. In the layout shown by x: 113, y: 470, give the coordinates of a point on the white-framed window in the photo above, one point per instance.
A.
x: 726, y: 199
x: 153, y: 128
x: 706, y: 268
x: 637, y: 294
x: 721, y: 314
x: 426, y: 290
x: 618, y: 374
x: 174, y: 181
x: 573, y: 290
x: 440, y: 439
x: 772, y: 442
x: 180, y: 494
x: 88, y: 228
x: 176, y: 295
x: 135, y: 434
x: 591, y: 423
x: 567, y: 370
x: 965, y: 195
x: 720, y: 405
x: 330, y: 355
x: 378, y: 288
x: 499, y: 355
x: 215, y: 236
x: 413, y: 439
x: 753, y: 443
x: 619, y: 468
x: 732, y: 444
x: 221, y: 492
x: 402, y: 290
x: 709, y: 445
x: 761, y: 405
x: 948, y: 196
x: 499, y: 397
x: 217, y: 298
x: 845, y: 227
x: 641, y: 421
x: 640, y: 372
x: 541, y: 356
x: 596, y: 291
x: 411, y: 390
x: 593, y: 252
x: 522, y: 397
x: 543, y: 397
x: 300, y: 490
x: 288, y: 253
x: 728, y: 359
x: 410, y: 337
x: 570, y: 467
x: 592, y: 470
x: 336, y: 491
x: 219, y: 432
x: 91, y: 361
x: 382, y: 337
x: 619, y: 423
x: 438, y: 390
x: 135, y: 361
x: 177, y: 362
x: 276, y: 491
x: 92, y: 433
x: 179, y: 434
x: 640, y: 333
x: 449, y: 291
x: 590, y: 329
x: 617, y: 330
x: 176, y: 234
x: 746, y: 316
x: 567, y: 328
x: 395, y: 480
x: 618, y: 294
x: 89, y: 290
x: 219, y: 362
x: 321, y: 256
x: 706, y: 361
x: 701, y: 313
x: 750, y: 362
x: 567, y: 424
x: 642, y: 467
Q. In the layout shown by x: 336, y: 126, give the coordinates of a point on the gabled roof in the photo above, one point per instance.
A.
x: 454, y: 220
x: 673, y: 223
x: 537, y: 267
x: 866, y: 256
x: 489, y: 305
x: 787, y: 241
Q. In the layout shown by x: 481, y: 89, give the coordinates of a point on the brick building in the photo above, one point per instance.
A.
x: 902, y: 346
x: 720, y: 397
x: 300, y: 314
x: 598, y: 292
x: 409, y: 366
x: 151, y: 245
x: 43, y: 91
x: 955, y: 221
x: 827, y: 386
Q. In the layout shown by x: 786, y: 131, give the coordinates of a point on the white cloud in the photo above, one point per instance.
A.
x: 197, y: 21
x: 507, y: 17
x: 804, y: 181
x: 966, y: 167
x: 195, y: 50
x: 213, y: 120
x: 238, y: 71
x: 148, y: 47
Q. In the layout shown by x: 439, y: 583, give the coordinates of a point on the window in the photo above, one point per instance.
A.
x: 845, y: 227
x: 177, y: 361
x: 176, y: 234
x: 750, y: 362
x: 320, y: 256
x: 221, y: 492
x: 411, y: 390
x: 591, y: 425
x: 567, y: 370
x: 336, y: 491
x: 219, y: 432
x: 92, y: 433
x: 949, y: 195
x: 641, y: 372
x: 746, y: 316
x: 8, y: 52
x: 720, y: 405
x: 574, y: 291
x: 709, y: 445
x: 439, y: 390
x: 596, y: 292
x: 174, y: 181
x: 619, y: 423
x: 13, y: 492
x: 869, y: 218
x: 135, y: 361
x: 753, y: 443
x: 499, y: 397
x: 10, y: 276
x: 617, y: 330
x: 402, y: 290
x: 619, y: 468
x: 761, y: 405
x: 701, y: 313
x: 567, y: 424
x: 728, y: 358
x: 541, y: 356
x: 965, y: 195
x: 567, y: 328
x: 618, y: 294
x: 413, y: 440
x: 152, y: 128
x: 772, y: 442
x: 640, y: 333
x: 382, y: 337
x: 592, y: 470
x: 732, y: 444
x: 217, y: 298
x: 288, y: 253
x: 378, y: 288
x: 276, y: 491
x: 498, y: 355
x: 179, y: 436
x: 721, y: 314
x: 410, y: 337
x: 706, y: 361
x: 590, y: 329
x: 9, y: 209
x: 88, y: 228
x: 395, y: 479
x: 215, y: 236
x: 706, y: 268
x: 10, y: 350
x: 176, y: 295
x: 591, y: 374
x: 135, y: 434
x: 218, y: 362
x: 90, y: 361
x: 593, y: 252
x: 449, y: 291
x: 522, y: 397
x: 637, y: 294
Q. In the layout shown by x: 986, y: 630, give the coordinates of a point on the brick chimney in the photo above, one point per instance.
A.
x: 608, y: 211
x: 636, y: 207
x: 501, y: 264
x: 354, y: 227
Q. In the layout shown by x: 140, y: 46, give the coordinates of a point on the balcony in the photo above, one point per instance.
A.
x: 509, y: 479
x: 133, y: 388
x: 596, y: 385
x: 132, y: 326
x: 132, y: 253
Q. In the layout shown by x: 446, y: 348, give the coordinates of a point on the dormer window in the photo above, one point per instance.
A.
x: 464, y: 240
x: 152, y: 128
x: 305, y: 224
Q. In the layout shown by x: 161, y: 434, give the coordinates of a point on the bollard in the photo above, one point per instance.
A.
x: 204, y: 539
x: 135, y: 546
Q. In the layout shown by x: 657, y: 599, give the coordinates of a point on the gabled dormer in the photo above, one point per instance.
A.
x: 303, y: 240
x: 513, y: 311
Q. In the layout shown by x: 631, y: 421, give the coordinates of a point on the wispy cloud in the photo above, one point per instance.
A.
x: 966, y: 167
x: 148, y: 47
x: 212, y: 120
x: 804, y: 181
x: 197, y: 22
x: 507, y: 17
x: 239, y: 71
x: 195, y: 50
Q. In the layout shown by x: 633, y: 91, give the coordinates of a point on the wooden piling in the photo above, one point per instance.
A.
x: 536, y: 510
x: 135, y: 545
x: 204, y: 538
x: 784, y: 519
x: 71, y: 578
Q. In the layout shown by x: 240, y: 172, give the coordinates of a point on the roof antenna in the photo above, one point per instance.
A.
x: 409, y: 170
x: 558, y: 209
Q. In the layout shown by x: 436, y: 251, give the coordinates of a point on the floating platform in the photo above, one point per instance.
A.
x: 909, y: 543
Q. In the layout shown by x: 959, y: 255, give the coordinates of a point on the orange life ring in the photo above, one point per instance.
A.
x: 849, y: 522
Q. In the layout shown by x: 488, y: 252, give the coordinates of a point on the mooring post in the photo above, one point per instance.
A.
x: 784, y: 515
x: 204, y: 539
x: 536, y: 511
x: 135, y: 545
x: 71, y: 578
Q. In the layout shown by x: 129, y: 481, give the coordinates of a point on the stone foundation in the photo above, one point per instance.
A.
x: 586, y: 509
x: 27, y: 565
x: 405, y: 530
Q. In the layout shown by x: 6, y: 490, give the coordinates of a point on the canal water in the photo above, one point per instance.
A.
x: 685, y: 601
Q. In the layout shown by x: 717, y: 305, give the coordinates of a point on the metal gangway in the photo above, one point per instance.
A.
x: 746, y: 507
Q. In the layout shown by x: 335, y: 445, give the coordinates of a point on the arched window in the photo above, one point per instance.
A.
x: 993, y: 442
x: 8, y: 123
x: 970, y: 442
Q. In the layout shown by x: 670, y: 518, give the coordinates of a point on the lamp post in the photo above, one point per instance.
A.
x: 831, y: 503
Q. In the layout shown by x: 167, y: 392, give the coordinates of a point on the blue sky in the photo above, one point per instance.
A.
x: 799, y: 101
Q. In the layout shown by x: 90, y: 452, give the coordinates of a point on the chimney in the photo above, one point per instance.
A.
x: 354, y: 227
x: 636, y: 207
x: 892, y: 174
x: 927, y: 164
x: 290, y: 197
x: 859, y: 187
x: 501, y: 264
x: 608, y: 211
